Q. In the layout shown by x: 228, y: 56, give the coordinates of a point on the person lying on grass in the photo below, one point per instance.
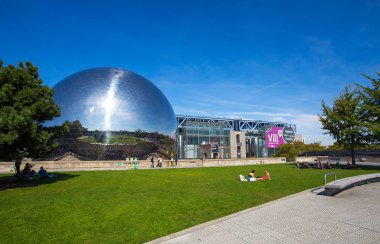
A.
x: 250, y: 177
x: 242, y: 178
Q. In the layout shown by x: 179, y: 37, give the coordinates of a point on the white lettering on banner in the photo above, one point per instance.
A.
x: 273, y: 138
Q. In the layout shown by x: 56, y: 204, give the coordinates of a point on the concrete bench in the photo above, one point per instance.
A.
x: 337, y: 186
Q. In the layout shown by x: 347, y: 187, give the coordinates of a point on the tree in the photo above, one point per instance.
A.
x: 343, y: 121
x: 75, y: 129
x: 292, y: 150
x: 370, y: 109
x: 335, y: 146
x: 24, y: 106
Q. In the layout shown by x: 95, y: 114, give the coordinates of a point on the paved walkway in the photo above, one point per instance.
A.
x: 352, y: 216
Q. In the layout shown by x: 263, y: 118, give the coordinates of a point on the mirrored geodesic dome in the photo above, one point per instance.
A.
x: 110, y: 103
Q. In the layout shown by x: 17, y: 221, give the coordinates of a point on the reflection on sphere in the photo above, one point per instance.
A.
x: 110, y: 104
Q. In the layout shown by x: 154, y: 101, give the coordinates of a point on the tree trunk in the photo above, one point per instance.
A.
x: 353, y: 156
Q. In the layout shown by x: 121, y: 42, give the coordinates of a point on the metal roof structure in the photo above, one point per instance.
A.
x: 233, y: 124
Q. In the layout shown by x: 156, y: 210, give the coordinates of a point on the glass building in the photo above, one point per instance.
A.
x: 203, y: 137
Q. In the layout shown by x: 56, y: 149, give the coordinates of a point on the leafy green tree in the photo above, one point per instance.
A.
x: 370, y: 109
x: 102, y: 137
x: 292, y: 150
x: 75, y: 129
x: 24, y: 106
x: 335, y: 146
x: 315, y: 146
x: 343, y: 121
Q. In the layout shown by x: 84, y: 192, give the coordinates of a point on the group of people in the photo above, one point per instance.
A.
x: 317, y: 165
x: 320, y: 165
x: 28, y: 172
x: 160, y: 162
x: 348, y: 165
x: 251, y: 176
x: 303, y: 165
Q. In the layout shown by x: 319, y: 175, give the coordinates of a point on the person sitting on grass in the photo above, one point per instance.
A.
x: 328, y: 165
x: 348, y: 165
x: 305, y: 165
x: 27, y: 172
x: 266, y: 176
x: 43, y: 173
x: 298, y: 165
x: 317, y: 166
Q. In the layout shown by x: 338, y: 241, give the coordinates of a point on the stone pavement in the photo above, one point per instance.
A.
x: 352, y: 216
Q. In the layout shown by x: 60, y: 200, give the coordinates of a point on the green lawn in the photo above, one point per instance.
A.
x: 114, y: 139
x: 138, y: 206
x: 123, y: 139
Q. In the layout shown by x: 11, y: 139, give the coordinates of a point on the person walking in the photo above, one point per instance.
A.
x: 159, y: 163
x: 152, y: 162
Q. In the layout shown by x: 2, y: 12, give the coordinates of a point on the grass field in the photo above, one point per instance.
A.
x: 138, y: 206
x: 114, y: 139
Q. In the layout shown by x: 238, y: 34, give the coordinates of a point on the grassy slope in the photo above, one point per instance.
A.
x: 123, y: 139
x: 134, y: 207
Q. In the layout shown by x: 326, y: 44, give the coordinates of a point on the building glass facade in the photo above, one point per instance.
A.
x: 202, y: 137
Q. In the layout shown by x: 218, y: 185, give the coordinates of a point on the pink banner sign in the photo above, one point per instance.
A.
x: 274, y: 137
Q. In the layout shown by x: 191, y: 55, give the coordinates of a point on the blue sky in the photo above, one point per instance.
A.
x: 264, y: 60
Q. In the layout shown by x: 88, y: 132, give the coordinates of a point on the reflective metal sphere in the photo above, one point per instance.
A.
x: 113, y: 99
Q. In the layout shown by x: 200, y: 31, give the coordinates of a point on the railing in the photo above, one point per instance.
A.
x: 332, y: 173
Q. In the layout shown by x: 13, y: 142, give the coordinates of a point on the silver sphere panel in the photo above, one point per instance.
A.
x: 112, y: 99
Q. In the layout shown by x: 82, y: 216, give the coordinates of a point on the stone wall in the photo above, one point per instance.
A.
x: 8, y: 167
x: 309, y: 159
x: 324, y: 159
x: 235, y: 144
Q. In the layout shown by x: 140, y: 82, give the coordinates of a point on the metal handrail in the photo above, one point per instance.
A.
x: 332, y: 173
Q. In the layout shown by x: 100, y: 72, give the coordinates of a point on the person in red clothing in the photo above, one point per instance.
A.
x: 266, y: 176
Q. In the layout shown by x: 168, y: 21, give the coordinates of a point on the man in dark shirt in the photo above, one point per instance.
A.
x: 43, y: 173
x: 17, y: 167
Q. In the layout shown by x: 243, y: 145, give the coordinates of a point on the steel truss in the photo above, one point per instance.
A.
x: 183, y: 120
x: 256, y: 126
x: 232, y: 124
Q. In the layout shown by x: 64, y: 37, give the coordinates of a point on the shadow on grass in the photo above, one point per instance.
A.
x: 11, y: 182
